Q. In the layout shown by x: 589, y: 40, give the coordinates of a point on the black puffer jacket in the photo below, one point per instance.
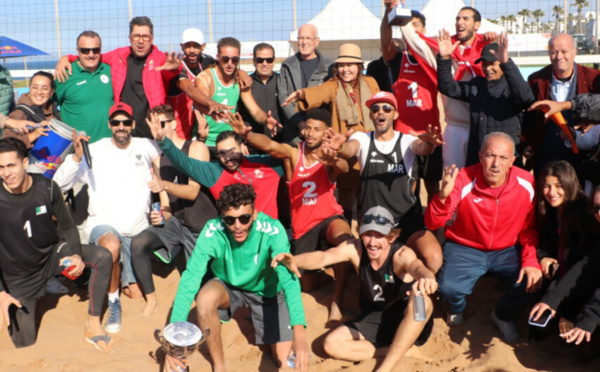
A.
x: 496, y: 106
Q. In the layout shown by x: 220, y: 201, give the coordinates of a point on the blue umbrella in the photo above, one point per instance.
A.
x: 12, y: 48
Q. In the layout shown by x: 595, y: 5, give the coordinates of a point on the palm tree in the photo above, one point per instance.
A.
x: 580, y: 4
x: 512, y: 20
x: 537, y: 14
x: 557, y: 12
x: 525, y: 13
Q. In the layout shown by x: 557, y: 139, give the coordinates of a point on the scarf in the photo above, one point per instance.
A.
x: 466, y: 59
x: 347, y: 105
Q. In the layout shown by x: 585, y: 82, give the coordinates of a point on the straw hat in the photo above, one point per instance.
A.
x: 349, y: 53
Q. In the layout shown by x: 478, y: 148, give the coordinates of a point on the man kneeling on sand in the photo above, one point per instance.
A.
x: 392, y: 280
x: 239, y: 247
x: 31, y: 251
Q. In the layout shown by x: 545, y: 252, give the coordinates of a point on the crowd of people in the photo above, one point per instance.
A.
x: 255, y: 180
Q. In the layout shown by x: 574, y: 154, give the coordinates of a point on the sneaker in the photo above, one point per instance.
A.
x: 507, y: 329
x: 454, y: 319
x: 113, y: 324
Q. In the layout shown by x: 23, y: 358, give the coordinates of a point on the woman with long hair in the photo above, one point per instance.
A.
x: 569, y: 231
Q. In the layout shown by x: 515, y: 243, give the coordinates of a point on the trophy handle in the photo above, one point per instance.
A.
x: 159, y: 338
x: 205, y: 334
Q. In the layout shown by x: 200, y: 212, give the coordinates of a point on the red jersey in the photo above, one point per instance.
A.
x: 183, y: 106
x: 311, y: 196
x: 416, y: 92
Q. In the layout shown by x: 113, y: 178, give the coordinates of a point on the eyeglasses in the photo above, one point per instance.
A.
x: 379, y: 220
x: 306, y: 38
x: 165, y: 122
x: 260, y: 60
x: 226, y: 59
x: 116, y: 123
x: 88, y: 50
x: 230, y: 220
x: 138, y: 37
x: 386, y: 108
x: 595, y: 209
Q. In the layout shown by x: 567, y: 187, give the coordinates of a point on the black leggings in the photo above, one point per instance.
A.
x: 142, y: 247
x: 22, y: 328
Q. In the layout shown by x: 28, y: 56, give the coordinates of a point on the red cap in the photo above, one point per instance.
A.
x: 382, y: 96
x: 120, y: 107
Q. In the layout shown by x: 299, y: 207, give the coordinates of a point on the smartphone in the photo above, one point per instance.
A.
x: 542, y: 321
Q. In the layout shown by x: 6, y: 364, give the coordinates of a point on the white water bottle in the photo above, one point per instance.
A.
x: 419, y: 304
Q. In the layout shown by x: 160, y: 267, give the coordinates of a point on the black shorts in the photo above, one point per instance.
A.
x: 431, y: 167
x: 410, y: 224
x: 379, y: 327
x: 315, y: 238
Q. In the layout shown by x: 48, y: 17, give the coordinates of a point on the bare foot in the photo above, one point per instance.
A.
x: 151, y: 306
x: 133, y: 291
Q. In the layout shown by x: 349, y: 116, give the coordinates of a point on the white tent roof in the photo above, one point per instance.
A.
x: 441, y: 14
x: 344, y: 20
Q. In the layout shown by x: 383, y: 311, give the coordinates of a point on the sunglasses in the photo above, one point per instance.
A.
x: 88, y: 50
x: 386, y: 108
x: 595, y: 209
x: 230, y: 220
x: 260, y: 60
x: 379, y: 220
x: 138, y: 37
x: 116, y: 123
x: 226, y: 59
x: 165, y: 122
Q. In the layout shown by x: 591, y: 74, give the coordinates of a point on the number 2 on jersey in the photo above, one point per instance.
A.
x: 379, y: 294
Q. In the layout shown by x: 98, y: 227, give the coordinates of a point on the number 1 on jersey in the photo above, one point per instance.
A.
x: 415, y: 88
x: 27, y: 227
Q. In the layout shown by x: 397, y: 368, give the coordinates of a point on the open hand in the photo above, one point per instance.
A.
x: 173, y: 61
x: 286, y: 259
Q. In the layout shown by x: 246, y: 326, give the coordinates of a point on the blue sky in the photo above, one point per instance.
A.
x: 33, y: 22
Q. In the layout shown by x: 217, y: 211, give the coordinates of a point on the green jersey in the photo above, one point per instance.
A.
x: 227, y: 95
x: 85, y: 99
x: 245, y: 266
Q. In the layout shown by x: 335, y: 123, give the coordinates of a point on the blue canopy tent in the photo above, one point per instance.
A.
x: 10, y: 48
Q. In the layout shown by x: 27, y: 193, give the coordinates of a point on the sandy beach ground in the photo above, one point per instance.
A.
x: 473, y: 346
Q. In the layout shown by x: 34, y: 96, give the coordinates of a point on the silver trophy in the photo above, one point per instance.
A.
x: 181, y: 339
x: 399, y: 16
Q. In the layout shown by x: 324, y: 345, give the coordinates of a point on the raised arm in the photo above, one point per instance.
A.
x: 341, y: 144
x: 388, y: 49
x: 426, y: 142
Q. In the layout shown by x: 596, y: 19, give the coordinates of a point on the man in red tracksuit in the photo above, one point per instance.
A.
x: 489, y: 213
x: 140, y: 73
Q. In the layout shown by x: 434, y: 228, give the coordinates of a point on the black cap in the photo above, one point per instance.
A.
x: 486, y: 55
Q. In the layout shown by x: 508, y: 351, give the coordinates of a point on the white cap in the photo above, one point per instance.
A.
x: 192, y: 35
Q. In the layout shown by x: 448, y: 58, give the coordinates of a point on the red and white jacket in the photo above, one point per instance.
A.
x: 475, y: 218
x: 156, y: 82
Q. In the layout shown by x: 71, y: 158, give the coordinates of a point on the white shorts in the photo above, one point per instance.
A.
x: 455, y: 149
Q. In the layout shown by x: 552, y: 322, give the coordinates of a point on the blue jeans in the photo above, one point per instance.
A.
x: 463, y: 266
x: 127, y: 275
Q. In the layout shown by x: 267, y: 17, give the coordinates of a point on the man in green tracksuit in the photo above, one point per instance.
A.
x: 240, y: 246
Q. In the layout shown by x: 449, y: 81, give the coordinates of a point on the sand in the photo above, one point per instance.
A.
x: 473, y: 346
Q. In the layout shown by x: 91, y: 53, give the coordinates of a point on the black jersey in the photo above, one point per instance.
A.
x: 192, y: 214
x: 28, y: 233
x: 381, y: 289
x: 386, y: 182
